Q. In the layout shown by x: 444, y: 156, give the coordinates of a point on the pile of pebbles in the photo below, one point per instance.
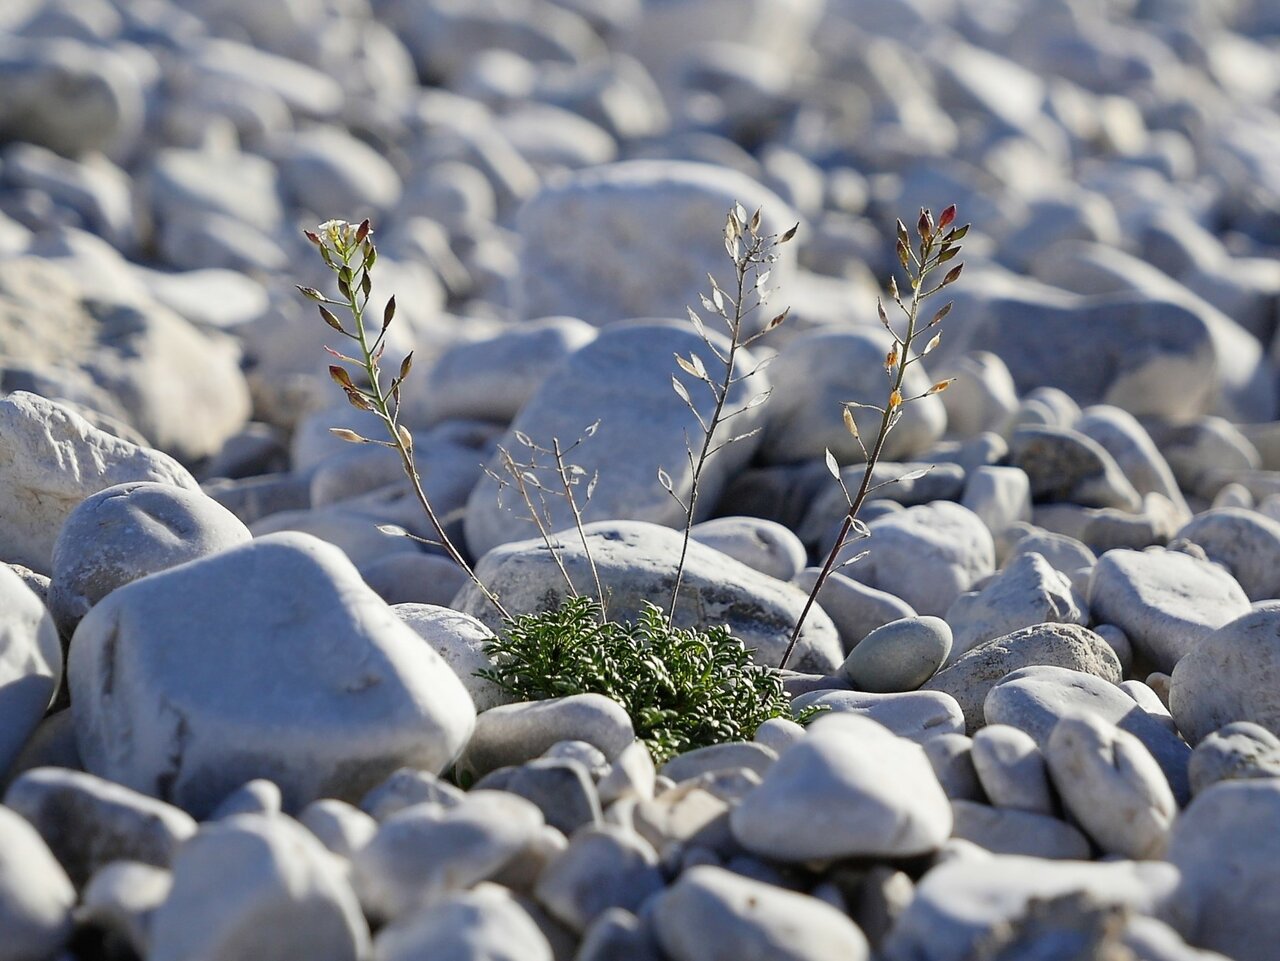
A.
x: 236, y: 706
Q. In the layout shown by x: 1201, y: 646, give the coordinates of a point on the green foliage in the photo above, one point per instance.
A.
x: 683, y: 688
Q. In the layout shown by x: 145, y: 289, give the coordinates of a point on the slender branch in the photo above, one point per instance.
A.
x: 936, y: 248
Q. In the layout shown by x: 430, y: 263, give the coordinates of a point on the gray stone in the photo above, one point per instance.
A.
x: 1238, y: 751
x: 763, y: 545
x: 459, y: 639
x: 492, y: 378
x: 1065, y: 554
x: 515, y: 733
x: 30, y: 665
x: 70, y: 96
x: 778, y: 734
x: 562, y: 789
x: 603, y: 867
x: 88, y: 822
x: 631, y: 774
x: 1012, y: 771
x: 482, y: 923
x: 1233, y: 674
x: 406, y: 787
x: 729, y: 756
x: 36, y: 896
x: 1026, y: 592
x: 962, y: 899
x: 983, y: 396
x: 1203, y: 451
x: 1065, y: 465
x: 1225, y: 845
x: 618, y: 935
x: 425, y: 851
x: 1001, y: 496
x: 711, y: 914
x: 974, y: 673
x: 915, y: 715
x: 623, y: 381
x: 1166, y: 602
x: 263, y: 868
x: 411, y: 578
x: 1036, y: 698
x: 636, y: 563
x: 819, y: 370
x: 927, y: 555
x: 898, y: 656
x: 126, y: 532
x: 1245, y: 542
x: 326, y: 168
x: 258, y: 796
x: 632, y: 240
x: 1105, y: 528
x: 122, y: 899
x: 167, y: 678
x: 1003, y: 830
x: 1135, y: 453
x: 854, y: 608
x: 951, y: 756
x: 1143, y: 351
x: 849, y: 789
x: 337, y: 825
x: 1112, y: 786
x: 52, y: 460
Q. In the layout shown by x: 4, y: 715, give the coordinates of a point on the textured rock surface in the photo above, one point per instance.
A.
x: 636, y: 563
x: 51, y: 459
x: 162, y: 708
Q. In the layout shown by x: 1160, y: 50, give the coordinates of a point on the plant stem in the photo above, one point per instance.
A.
x: 722, y: 394
x: 561, y: 469
x: 390, y: 418
x: 887, y: 421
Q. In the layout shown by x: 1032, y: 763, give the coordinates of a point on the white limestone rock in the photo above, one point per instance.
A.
x: 257, y: 886
x: 622, y: 380
x: 1166, y: 602
x: 711, y: 914
x: 635, y: 239
x: 1112, y: 786
x: 30, y: 665
x: 849, y: 789
x: 88, y: 822
x: 36, y: 897
x: 636, y: 563
x: 1231, y: 675
x: 128, y: 531
x: 50, y: 460
x: 308, y: 679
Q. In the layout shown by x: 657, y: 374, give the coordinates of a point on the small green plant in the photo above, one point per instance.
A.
x: 937, y: 244
x: 683, y: 688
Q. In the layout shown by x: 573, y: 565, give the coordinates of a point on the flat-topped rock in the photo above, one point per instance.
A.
x: 1166, y: 602
x: 636, y: 563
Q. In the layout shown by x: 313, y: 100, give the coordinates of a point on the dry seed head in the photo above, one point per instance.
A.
x: 350, y: 436
x: 924, y: 226
x: 791, y: 232
x: 895, y: 399
x: 939, y: 387
x: 850, y: 424
x: 947, y: 216
x: 953, y: 275
x: 937, y: 338
x: 891, y: 358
